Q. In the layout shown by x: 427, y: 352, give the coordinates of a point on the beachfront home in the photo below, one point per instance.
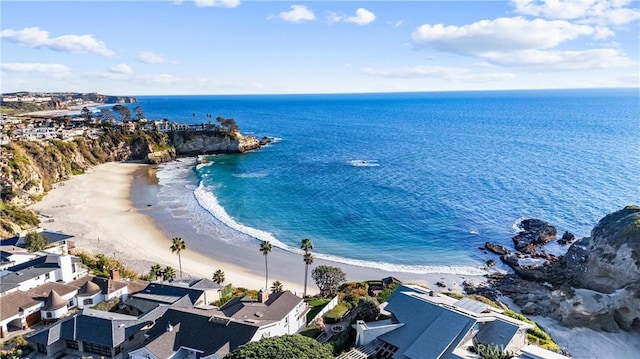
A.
x: 93, y: 333
x: 18, y: 310
x: 276, y: 314
x: 47, y: 268
x: 93, y: 289
x: 182, y: 293
x: 57, y: 242
x: 209, y: 332
x: 424, y: 324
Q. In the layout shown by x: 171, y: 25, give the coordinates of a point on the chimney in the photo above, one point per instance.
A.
x: 263, y: 296
x: 169, y: 327
x: 114, y: 274
x: 431, y: 293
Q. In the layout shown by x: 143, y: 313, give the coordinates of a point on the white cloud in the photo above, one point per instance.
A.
x: 501, y: 34
x: 614, y: 12
x: 438, y: 72
x: 362, y: 17
x: 561, y: 60
x: 149, y: 57
x: 298, y: 13
x: 122, y: 69
x: 35, y: 37
x: 217, y: 3
x: 50, y: 69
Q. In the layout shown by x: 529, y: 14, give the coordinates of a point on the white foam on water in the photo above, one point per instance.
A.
x: 209, y: 202
x: 516, y: 225
x: 260, y: 174
x: 363, y: 163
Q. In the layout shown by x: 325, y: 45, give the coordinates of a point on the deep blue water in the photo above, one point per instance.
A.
x: 413, y: 179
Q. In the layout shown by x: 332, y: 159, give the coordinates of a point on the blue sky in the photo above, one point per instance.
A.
x: 264, y: 47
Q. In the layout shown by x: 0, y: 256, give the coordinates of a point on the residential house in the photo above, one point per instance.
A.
x: 424, y: 324
x: 94, y: 290
x: 182, y: 293
x: 194, y: 333
x: 57, y: 299
x: 211, y: 333
x: 18, y: 310
x: 93, y: 332
x: 47, y: 268
x: 276, y: 314
x: 11, y: 255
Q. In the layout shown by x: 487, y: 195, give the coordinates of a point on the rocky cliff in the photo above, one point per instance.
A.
x: 33, y: 167
x: 595, y: 284
x: 604, y: 273
x: 191, y: 143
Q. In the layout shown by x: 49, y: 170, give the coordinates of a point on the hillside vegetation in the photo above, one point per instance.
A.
x: 33, y: 167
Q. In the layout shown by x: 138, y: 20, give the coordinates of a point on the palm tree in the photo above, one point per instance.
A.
x: 277, y: 287
x: 218, y: 276
x: 265, y: 248
x: 308, y: 259
x: 178, y: 246
x: 306, y: 245
x: 168, y: 274
x: 156, y: 271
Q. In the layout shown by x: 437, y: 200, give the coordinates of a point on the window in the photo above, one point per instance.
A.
x: 48, y: 315
x: 72, y: 344
x: 87, y: 301
x: 131, y: 338
x: 70, y: 304
x: 42, y: 348
x: 97, y: 349
x: 47, y: 276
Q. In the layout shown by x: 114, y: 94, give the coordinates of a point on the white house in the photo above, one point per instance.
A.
x: 211, y: 333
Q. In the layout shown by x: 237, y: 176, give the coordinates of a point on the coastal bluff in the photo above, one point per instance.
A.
x: 193, y: 143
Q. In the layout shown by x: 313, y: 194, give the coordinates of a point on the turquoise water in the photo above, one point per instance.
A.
x: 408, y: 181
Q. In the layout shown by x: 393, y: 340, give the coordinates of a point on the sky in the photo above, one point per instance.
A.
x: 282, y: 47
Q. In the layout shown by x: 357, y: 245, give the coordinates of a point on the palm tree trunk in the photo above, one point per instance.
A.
x: 180, y: 262
x: 266, y: 277
x: 306, y: 274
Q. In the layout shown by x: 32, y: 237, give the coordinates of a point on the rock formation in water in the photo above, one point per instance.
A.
x: 595, y: 284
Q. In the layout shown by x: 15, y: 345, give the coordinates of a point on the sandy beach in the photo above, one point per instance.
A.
x: 97, y: 208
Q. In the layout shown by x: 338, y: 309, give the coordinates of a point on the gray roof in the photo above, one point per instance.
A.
x: 497, y: 333
x: 273, y: 309
x: 94, y: 326
x: 167, y: 293
x: 203, y: 283
x: 54, y: 237
x: 429, y: 331
x: 471, y: 305
x: 194, y: 328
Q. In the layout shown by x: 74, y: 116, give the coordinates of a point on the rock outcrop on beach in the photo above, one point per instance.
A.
x: 191, y: 143
x: 595, y: 284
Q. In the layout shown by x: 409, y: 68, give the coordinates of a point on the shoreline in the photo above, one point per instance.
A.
x: 94, y: 206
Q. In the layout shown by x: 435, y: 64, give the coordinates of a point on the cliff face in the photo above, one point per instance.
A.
x: 190, y: 143
x: 34, y: 166
x: 605, y: 273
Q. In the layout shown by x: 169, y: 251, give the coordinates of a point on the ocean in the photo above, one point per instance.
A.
x: 408, y: 182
